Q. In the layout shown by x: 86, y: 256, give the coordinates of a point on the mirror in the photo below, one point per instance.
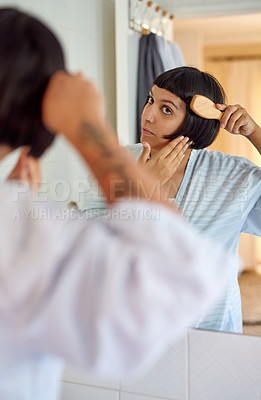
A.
x: 227, y: 45
x: 204, y: 43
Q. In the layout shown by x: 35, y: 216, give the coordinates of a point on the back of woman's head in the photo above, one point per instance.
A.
x: 185, y: 82
x: 29, y: 55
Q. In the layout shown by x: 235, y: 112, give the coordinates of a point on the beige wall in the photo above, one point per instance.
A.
x: 238, y: 68
x: 192, y: 46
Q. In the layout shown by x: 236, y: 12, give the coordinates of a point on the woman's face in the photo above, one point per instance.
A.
x: 163, y: 114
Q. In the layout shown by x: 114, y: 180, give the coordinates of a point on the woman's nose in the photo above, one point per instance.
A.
x: 149, y: 114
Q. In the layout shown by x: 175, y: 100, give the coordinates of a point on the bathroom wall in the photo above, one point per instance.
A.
x: 202, y: 365
x: 86, y: 30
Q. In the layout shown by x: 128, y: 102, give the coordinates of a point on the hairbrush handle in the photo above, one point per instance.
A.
x: 204, y: 107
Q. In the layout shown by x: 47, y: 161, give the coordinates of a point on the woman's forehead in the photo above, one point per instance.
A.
x: 163, y: 94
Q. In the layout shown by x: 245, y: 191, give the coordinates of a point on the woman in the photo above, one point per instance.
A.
x: 219, y: 194
x: 61, y: 297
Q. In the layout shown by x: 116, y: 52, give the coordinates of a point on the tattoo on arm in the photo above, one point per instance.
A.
x: 113, y: 166
x: 93, y: 135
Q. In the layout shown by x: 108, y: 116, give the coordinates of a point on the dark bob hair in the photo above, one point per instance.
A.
x: 29, y: 55
x: 185, y: 82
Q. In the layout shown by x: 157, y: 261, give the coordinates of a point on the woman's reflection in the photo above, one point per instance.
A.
x: 218, y: 193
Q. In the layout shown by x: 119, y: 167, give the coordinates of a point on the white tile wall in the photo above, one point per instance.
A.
x: 203, y: 366
x: 81, y: 377
x: 167, y: 379
x: 223, y: 366
x: 72, y: 391
x: 86, y: 31
x: 131, y: 396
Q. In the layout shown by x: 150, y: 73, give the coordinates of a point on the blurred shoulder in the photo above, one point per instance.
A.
x: 135, y: 149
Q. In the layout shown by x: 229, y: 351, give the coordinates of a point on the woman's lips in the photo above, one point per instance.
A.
x: 147, y: 132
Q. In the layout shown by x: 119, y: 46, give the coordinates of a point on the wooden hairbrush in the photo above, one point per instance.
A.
x: 204, y: 107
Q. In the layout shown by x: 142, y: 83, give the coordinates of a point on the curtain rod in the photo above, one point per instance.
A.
x: 145, y: 17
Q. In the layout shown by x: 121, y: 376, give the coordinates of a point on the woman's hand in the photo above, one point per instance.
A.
x: 165, y: 162
x: 70, y: 100
x: 236, y: 120
x: 27, y: 169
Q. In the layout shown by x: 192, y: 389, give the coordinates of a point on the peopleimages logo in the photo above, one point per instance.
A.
x: 62, y: 190
x: 58, y: 190
x: 108, y: 214
x: 53, y: 201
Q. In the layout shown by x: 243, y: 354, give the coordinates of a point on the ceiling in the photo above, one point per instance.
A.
x: 208, y: 8
x: 217, y: 21
x: 235, y: 28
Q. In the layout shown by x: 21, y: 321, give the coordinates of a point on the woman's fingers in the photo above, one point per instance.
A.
x: 145, y: 153
x: 165, y: 163
x: 27, y: 169
x: 236, y: 120
x: 34, y: 173
x: 179, y: 142
x: 177, y: 155
x: 179, y: 150
x: 230, y: 115
x: 221, y: 107
x: 19, y: 172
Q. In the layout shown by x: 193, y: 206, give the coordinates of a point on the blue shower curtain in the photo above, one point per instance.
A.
x: 170, y: 53
x: 150, y: 66
x: 156, y: 55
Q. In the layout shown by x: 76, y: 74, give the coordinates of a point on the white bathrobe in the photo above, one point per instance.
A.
x: 107, y: 295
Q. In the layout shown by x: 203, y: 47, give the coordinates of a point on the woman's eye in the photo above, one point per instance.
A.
x: 150, y: 99
x: 166, y: 110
